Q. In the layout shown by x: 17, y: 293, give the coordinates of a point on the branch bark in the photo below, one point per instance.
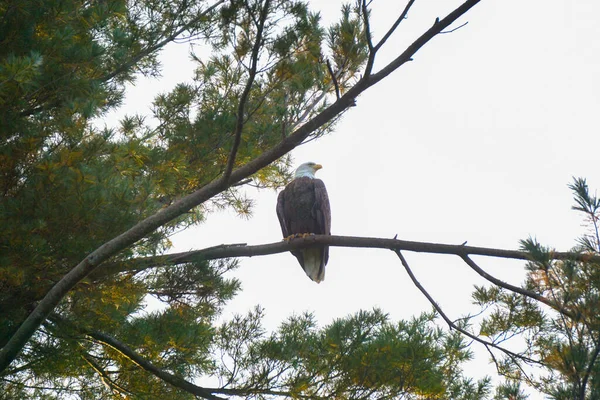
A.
x: 203, y: 392
x: 394, y: 26
x: 244, y: 250
x: 451, y: 324
x: 14, y: 345
x: 558, y: 307
x: 148, y: 366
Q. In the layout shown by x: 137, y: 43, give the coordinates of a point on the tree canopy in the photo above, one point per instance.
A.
x: 77, y: 197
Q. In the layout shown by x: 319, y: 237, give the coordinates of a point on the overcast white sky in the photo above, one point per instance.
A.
x: 475, y: 140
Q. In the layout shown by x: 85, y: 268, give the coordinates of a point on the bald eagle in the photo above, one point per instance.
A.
x: 302, y: 209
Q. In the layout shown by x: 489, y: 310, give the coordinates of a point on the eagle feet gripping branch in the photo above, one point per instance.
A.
x: 303, y: 206
x: 298, y: 235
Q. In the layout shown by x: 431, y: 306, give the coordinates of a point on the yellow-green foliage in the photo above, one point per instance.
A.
x: 68, y: 186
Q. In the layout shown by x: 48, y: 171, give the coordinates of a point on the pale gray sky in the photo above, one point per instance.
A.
x: 475, y: 140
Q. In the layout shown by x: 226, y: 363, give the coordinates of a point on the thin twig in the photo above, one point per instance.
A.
x: 455, y: 29
x: 240, y: 183
x: 246, y: 93
x: 449, y: 321
x: 334, y: 79
x: 558, y: 307
x: 394, y: 26
x: 439, y: 26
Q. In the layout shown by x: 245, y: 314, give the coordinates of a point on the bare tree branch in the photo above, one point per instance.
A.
x: 243, y: 182
x: 558, y: 307
x: 366, y: 22
x: 334, y: 79
x: 393, y: 27
x: 455, y: 29
x: 244, y: 250
x: 45, y: 306
x: 588, y: 371
x: 367, y: 26
x: 438, y: 27
x: 249, y: 392
x: 451, y: 324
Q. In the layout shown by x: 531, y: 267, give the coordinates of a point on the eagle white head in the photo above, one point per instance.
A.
x: 307, y: 169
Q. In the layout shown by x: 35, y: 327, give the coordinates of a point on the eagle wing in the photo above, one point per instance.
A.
x: 285, y: 229
x: 322, y: 213
x: 322, y: 209
x: 284, y: 222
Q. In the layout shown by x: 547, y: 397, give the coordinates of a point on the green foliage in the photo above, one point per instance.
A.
x: 358, y: 357
x: 510, y: 391
x: 566, y: 345
x: 68, y: 187
x: 347, y: 38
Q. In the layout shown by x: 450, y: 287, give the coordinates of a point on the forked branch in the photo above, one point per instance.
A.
x: 520, y: 290
x: 244, y: 250
x: 373, y: 49
x: 394, y: 26
x: 451, y: 324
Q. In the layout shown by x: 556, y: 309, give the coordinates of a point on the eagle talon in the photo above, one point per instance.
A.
x: 297, y: 236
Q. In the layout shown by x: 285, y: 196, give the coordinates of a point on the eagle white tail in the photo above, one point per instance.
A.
x: 313, y: 264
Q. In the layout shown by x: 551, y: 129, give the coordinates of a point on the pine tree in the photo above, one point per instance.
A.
x: 68, y: 187
x: 562, y: 346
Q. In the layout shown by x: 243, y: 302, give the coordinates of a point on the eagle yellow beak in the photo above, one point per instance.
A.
x: 317, y: 167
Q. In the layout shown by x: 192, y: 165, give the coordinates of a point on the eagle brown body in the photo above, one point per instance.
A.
x: 303, y: 208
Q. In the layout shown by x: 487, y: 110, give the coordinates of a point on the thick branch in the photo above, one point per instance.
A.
x: 243, y: 250
x: 148, y: 366
x: 251, y: 392
x: 334, y: 79
x: 10, y: 351
x: 176, y: 381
